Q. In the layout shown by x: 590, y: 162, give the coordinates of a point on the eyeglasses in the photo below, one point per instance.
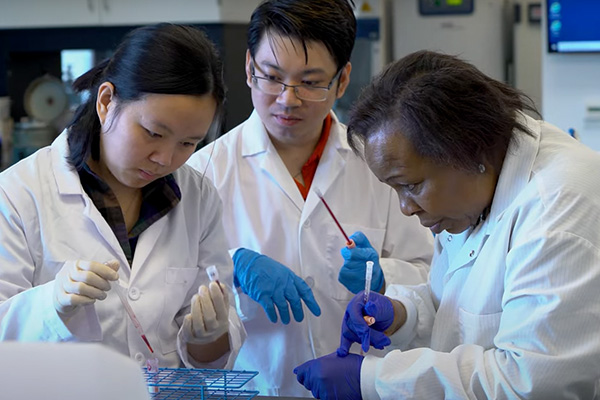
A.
x: 303, y: 92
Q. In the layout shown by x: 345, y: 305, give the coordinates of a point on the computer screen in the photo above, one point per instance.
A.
x: 573, y: 26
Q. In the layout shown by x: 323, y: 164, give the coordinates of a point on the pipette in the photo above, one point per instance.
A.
x: 368, y: 277
x: 213, y: 275
x: 349, y: 242
x: 136, y: 323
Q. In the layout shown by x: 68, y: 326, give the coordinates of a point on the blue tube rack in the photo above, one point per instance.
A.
x: 198, y: 384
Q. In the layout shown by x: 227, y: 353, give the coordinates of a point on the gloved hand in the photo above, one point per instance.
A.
x: 355, y: 329
x: 352, y: 273
x: 332, y: 377
x: 272, y: 284
x: 82, y: 282
x: 208, y: 319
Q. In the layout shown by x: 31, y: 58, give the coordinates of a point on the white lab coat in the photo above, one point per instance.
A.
x: 264, y: 211
x: 512, y: 309
x: 46, y: 218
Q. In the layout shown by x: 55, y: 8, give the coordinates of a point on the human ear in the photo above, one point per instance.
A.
x: 344, y: 80
x: 248, y: 69
x: 104, y: 100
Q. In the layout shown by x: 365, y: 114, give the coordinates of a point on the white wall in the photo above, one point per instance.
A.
x: 477, y: 37
x: 570, y: 84
x: 527, y: 46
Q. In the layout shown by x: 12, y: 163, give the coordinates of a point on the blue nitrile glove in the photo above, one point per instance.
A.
x: 272, y: 284
x: 352, y: 273
x: 331, y: 377
x: 355, y: 328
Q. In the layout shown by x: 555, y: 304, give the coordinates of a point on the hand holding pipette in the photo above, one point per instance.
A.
x: 80, y: 283
x: 352, y: 274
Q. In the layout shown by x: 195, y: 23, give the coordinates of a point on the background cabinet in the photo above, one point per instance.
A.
x: 16, y: 14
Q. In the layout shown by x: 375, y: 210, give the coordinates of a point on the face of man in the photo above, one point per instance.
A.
x: 289, y: 119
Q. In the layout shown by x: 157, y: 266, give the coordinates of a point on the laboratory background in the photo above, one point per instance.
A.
x: 550, y: 49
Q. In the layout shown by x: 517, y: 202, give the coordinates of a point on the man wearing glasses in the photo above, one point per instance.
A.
x: 285, y: 245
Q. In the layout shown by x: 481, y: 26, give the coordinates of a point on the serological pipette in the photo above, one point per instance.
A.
x: 129, y: 310
x: 349, y: 242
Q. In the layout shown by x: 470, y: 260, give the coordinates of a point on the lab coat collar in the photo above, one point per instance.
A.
x: 516, y: 170
x: 514, y: 176
x: 67, y: 179
x: 255, y: 137
x: 256, y: 142
x: 68, y: 183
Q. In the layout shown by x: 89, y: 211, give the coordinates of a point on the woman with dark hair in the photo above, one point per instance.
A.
x: 511, y: 306
x: 111, y: 204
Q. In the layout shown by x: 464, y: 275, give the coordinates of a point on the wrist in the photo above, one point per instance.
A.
x: 399, y: 318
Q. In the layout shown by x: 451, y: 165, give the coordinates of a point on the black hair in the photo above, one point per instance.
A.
x: 451, y: 113
x: 331, y: 22
x: 159, y: 59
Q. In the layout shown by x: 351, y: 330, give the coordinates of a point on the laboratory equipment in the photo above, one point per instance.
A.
x: 368, y: 278
x: 349, y: 242
x: 213, y: 275
x: 68, y: 371
x: 129, y: 310
x: 202, y: 384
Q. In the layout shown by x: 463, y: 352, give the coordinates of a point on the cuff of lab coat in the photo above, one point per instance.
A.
x: 368, y: 375
x: 82, y: 326
x: 407, y: 331
x: 237, y: 336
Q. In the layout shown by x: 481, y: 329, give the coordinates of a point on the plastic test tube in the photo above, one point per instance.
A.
x: 213, y: 275
x: 368, y: 278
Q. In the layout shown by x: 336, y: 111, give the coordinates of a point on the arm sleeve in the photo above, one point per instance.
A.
x: 546, y: 346
x: 26, y: 311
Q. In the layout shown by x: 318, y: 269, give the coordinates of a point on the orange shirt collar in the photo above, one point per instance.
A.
x: 310, y: 167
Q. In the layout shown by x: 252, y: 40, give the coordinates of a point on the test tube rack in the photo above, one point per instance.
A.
x: 198, y: 384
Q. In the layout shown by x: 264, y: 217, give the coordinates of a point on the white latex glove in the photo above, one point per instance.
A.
x: 82, y: 282
x: 209, y: 317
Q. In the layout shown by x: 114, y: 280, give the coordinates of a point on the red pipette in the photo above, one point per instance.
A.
x: 349, y: 242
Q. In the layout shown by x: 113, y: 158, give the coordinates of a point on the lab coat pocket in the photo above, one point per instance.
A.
x: 180, y: 286
x: 478, y: 329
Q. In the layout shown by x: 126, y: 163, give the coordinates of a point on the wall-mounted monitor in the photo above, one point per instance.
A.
x: 445, y: 7
x: 573, y: 26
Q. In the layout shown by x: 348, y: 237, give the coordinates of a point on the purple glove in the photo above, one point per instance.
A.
x: 355, y: 329
x: 331, y: 377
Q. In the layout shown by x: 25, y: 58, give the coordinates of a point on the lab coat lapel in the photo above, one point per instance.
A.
x: 259, y: 145
x: 144, y: 247
x: 330, y: 167
x: 68, y: 184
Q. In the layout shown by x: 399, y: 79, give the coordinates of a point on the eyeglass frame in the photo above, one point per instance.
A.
x: 284, y: 86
